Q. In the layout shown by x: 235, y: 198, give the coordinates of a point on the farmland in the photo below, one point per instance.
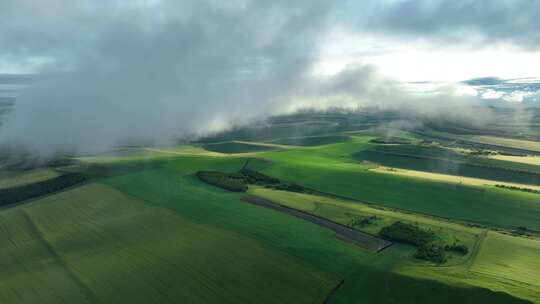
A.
x: 454, y: 179
x: 133, y: 245
x: 332, y: 170
x: 518, y: 264
x: 156, y: 224
x: 438, y: 160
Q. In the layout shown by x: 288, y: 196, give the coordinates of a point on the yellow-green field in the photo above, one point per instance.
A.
x: 94, y: 244
x: 447, y: 178
x: 530, y: 160
x: 13, y: 179
x: 507, y: 142
x: 487, y: 264
x: 344, y: 212
x: 510, y: 258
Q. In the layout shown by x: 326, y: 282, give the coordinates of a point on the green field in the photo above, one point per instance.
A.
x: 109, y: 248
x: 331, y: 169
x: 510, y: 258
x: 145, y: 229
x: 400, y: 256
x: 351, y: 213
x: 12, y: 179
x: 439, y: 160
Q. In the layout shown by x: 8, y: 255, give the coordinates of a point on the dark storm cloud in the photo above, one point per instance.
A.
x: 486, y: 21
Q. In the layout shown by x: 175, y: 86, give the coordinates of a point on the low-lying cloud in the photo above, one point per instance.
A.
x: 159, y: 70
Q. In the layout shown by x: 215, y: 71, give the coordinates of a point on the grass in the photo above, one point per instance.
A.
x: 120, y: 249
x: 175, y: 188
x: 346, y: 212
x: 410, y: 280
x: 30, y: 272
x: 20, y: 178
x: 160, y: 235
x: 510, y: 258
x: 331, y: 169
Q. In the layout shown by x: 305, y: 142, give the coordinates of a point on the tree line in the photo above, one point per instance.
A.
x: 20, y: 193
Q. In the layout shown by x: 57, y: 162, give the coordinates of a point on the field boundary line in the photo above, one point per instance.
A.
x: 476, y: 249
x: 361, y: 239
x: 86, y: 292
x: 333, y: 292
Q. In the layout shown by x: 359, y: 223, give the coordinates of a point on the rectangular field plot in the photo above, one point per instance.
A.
x: 95, y: 244
x: 509, y: 257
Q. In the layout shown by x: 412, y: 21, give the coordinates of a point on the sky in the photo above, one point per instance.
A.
x: 109, y: 72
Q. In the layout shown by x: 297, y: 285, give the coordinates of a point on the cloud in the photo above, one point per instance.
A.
x: 159, y: 73
x: 362, y: 86
x: 112, y: 72
x: 487, y: 22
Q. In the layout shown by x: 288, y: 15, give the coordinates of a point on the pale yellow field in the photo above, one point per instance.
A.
x: 508, y: 142
x: 530, y: 160
x: 446, y: 178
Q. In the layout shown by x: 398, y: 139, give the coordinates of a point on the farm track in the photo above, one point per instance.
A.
x: 85, y: 291
x: 361, y: 239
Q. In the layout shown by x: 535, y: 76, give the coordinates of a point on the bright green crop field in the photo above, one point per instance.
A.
x: 512, y: 258
x: 331, y: 169
x: 95, y: 244
x: 154, y: 233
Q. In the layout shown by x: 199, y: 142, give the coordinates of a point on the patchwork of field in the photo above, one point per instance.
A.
x: 352, y: 213
x: 147, y: 230
x: 110, y: 248
x: 506, y: 142
x: 447, y: 178
x: 453, y: 272
x: 364, y: 240
x: 444, y: 161
x: 331, y: 169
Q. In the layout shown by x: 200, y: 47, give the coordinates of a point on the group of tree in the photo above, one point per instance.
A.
x: 429, y: 245
x: 518, y: 188
x: 228, y: 181
x: 20, y: 193
x: 239, y: 181
x: 363, y: 221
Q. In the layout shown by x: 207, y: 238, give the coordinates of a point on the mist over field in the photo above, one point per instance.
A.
x: 157, y: 71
